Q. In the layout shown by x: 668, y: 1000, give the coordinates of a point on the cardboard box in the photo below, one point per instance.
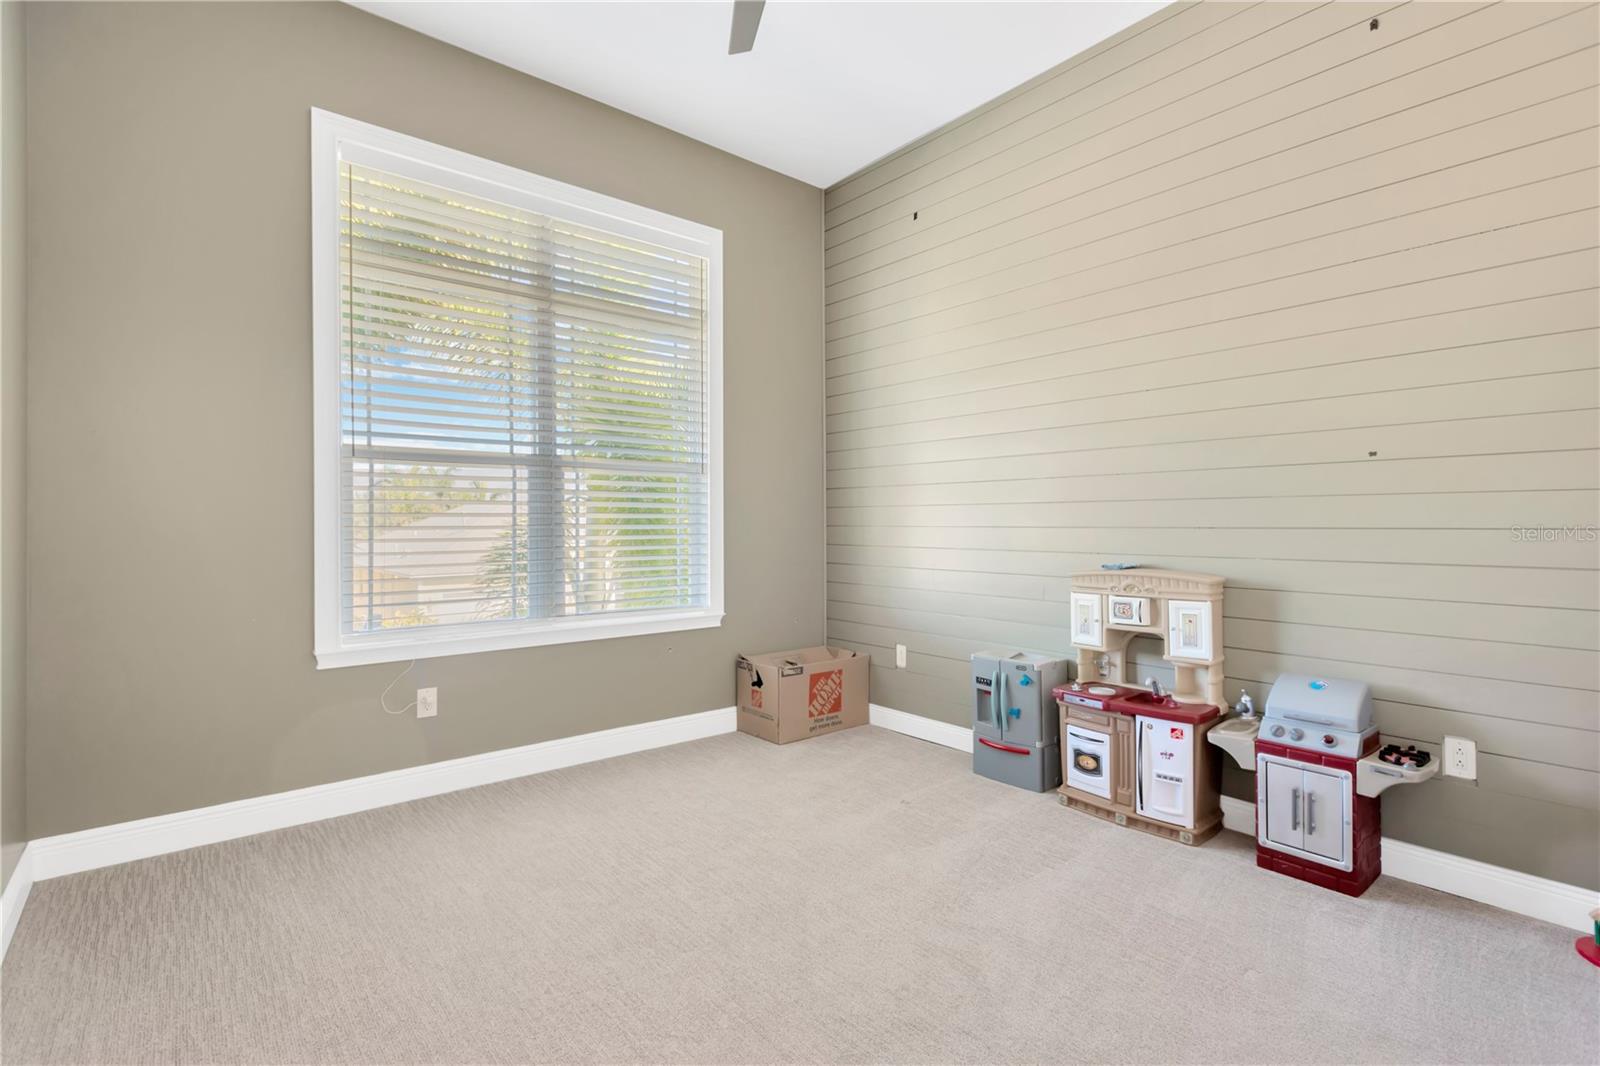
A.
x: 791, y: 695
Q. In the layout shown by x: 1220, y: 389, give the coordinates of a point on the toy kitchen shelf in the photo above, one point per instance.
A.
x: 1373, y: 775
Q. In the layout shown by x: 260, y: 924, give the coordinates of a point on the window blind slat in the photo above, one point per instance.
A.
x: 423, y: 402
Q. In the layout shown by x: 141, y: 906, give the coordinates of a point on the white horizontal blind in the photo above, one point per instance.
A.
x: 523, y: 411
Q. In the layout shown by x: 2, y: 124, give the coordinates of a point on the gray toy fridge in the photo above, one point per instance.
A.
x: 1016, y: 733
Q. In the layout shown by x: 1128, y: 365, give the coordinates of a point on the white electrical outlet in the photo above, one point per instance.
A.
x: 427, y: 702
x: 1460, y: 758
x: 899, y: 656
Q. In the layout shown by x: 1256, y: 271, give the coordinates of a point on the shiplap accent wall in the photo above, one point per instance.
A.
x: 1256, y: 290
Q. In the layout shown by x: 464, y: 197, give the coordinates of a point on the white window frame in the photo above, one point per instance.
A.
x: 335, y: 139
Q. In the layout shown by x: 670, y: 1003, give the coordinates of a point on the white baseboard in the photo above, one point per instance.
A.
x: 15, y: 895
x: 1511, y: 890
x: 90, y: 849
x: 48, y: 857
x: 923, y: 728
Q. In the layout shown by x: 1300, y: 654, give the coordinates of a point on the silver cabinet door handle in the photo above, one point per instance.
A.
x: 1311, y: 812
x: 1294, y: 808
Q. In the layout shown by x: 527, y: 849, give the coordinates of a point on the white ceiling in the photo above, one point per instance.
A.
x: 829, y: 87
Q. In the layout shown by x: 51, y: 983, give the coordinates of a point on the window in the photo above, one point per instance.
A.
x: 517, y: 406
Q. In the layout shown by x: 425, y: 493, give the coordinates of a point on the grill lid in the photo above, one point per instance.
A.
x: 1323, y: 701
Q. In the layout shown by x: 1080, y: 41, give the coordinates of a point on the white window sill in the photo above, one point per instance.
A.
x: 402, y: 647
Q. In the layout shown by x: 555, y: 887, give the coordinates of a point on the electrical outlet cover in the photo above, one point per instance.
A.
x: 900, y: 656
x: 427, y: 702
x: 1460, y: 758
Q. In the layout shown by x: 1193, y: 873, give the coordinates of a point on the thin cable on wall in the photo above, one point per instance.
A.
x: 383, y: 700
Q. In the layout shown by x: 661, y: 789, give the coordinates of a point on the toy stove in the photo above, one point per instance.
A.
x: 1310, y: 821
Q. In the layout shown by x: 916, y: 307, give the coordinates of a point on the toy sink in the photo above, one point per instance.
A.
x: 1146, y: 705
x: 1237, y: 737
x: 1145, y: 699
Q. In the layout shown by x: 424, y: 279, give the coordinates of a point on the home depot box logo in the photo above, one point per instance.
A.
x: 791, y: 695
x: 827, y: 693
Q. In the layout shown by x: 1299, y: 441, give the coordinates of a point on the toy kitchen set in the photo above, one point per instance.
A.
x: 1144, y: 758
x: 1137, y: 756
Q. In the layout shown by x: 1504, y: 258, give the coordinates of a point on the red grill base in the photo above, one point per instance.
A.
x: 1366, y: 830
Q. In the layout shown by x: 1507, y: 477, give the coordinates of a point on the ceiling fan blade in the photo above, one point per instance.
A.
x: 746, y: 20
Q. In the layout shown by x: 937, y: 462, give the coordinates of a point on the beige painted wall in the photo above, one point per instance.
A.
x: 1263, y: 292
x: 13, y: 410
x: 170, y: 408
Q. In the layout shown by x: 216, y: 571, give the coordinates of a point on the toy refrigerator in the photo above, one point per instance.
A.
x: 1016, y: 733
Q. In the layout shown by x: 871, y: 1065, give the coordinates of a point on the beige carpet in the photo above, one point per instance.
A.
x: 859, y: 897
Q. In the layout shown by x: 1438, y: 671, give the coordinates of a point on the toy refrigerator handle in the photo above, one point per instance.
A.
x: 1000, y: 697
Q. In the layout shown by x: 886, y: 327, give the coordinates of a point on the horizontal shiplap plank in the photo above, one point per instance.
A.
x: 1413, y: 547
x: 1546, y: 627
x: 1509, y: 514
x: 1530, y: 471
x: 1567, y: 668
x: 1544, y: 393
x: 1500, y: 511
x: 1483, y: 435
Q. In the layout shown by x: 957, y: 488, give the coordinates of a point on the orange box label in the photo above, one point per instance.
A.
x: 827, y: 694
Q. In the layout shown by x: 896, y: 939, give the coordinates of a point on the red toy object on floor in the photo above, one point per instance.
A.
x: 1589, y: 946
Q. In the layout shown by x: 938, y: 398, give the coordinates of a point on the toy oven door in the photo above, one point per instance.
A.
x: 1089, y: 760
